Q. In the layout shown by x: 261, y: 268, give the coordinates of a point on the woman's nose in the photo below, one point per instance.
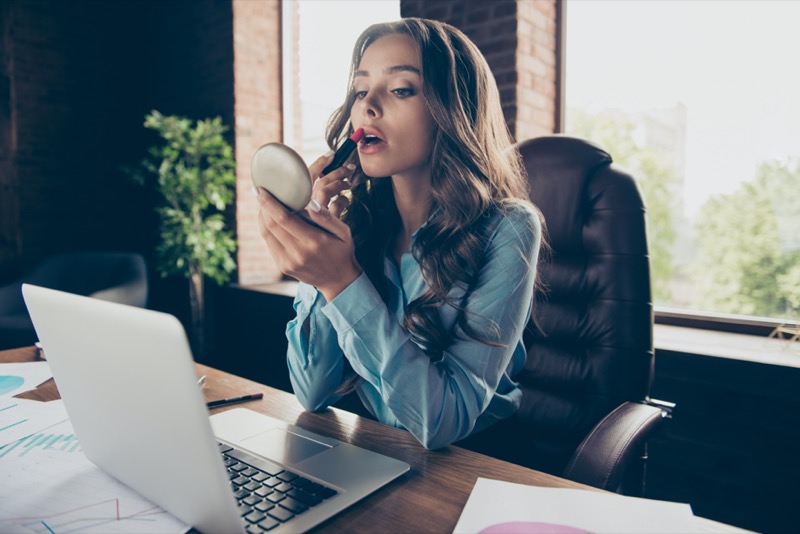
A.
x: 370, y: 106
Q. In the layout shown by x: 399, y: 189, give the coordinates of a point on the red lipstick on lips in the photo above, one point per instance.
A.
x: 373, y: 142
x: 344, y: 151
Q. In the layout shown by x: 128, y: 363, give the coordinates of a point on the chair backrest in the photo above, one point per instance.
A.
x: 590, y: 343
x: 114, y: 276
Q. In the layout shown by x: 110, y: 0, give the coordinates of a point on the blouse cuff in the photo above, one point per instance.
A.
x: 352, y: 304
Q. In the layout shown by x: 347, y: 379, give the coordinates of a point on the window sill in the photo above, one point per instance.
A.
x: 719, y: 322
x: 726, y: 345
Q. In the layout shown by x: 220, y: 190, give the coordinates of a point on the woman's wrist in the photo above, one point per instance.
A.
x: 332, y: 290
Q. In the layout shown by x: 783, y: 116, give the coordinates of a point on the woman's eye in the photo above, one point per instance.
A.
x: 359, y: 94
x: 404, y: 91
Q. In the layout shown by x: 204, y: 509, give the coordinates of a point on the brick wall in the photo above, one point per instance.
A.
x: 519, y: 41
x: 537, y: 90
x: 257, y: 72
x: 63, y: 101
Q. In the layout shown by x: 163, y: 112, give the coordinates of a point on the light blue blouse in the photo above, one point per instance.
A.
x: 438, y: 402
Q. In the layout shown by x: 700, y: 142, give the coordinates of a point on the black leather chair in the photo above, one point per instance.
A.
x: 115, y: 276
x: 586, y: 412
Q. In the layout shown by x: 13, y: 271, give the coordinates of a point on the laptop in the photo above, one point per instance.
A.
x: 128, y: 382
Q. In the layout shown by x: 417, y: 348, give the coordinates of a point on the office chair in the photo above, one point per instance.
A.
x: 585, y: 413
x: 114, y: 276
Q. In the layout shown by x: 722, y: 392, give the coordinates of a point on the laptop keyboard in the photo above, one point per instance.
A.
x: 267, y: 494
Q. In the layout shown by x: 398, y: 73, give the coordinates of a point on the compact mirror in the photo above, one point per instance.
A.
x: 281, y: 171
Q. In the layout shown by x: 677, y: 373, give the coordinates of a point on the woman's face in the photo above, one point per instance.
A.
x: 390, y: 107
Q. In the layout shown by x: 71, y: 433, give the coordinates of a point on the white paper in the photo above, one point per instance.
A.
x: 19, y: 418
x: 496, y: 507
x: 47, y: 485
x: 18, y: 377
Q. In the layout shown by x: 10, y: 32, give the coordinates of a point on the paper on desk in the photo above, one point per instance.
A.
x: 18, y: 377
x: 19, y: 418
x: 496, y: 507
x: 47, y: 485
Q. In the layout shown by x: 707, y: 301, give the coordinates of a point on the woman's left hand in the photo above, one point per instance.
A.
x: 322, y: 258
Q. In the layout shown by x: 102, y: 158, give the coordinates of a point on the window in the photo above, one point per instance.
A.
x: 318, y: 37
x: 699, y: 101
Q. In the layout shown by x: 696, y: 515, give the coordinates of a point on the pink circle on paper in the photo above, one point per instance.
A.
x: 531, y: 527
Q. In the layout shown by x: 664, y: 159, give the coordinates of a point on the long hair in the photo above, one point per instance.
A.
x: 474, y: 174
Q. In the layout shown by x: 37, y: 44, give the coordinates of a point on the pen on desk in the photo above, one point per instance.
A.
x: 234, y: 400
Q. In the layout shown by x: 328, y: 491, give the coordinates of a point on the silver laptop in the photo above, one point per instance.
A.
x: 127, y: 379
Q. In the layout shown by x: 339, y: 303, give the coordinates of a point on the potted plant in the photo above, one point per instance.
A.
x: 194, y: 171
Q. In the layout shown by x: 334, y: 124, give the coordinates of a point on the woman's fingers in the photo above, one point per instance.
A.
x: 338, y: 205
x: 280, y: 230
x: 331, y: 186
x: 337, y: 230
x: 267, y: 228
x: 277, y: 220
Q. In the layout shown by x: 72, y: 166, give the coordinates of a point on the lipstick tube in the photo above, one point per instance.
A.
x: 344, y: 151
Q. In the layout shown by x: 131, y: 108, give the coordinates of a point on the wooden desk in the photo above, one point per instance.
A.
x: 429, y: 498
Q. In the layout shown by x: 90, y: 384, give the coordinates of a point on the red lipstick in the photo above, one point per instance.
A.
x: 344, y: 151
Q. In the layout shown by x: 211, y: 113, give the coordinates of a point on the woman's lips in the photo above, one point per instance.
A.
x: 375, y: 145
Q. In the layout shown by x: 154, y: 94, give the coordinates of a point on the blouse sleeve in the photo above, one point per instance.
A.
x: 316, y: 362
x: 439, y: 402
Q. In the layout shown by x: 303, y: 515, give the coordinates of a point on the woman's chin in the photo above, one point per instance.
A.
x: 374, y: 172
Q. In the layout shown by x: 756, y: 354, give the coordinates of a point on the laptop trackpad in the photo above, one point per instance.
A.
x: 283, y: 447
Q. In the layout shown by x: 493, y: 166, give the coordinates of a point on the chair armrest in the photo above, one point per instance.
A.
x: 615, y: 445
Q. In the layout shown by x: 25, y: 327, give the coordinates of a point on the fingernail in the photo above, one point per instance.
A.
x: 314, y: 205
x: 329, y: 153
x: 351, y: 166
x: 254, y: 191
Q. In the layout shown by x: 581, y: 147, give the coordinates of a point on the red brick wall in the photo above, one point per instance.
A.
x: 257, y: 72
x: 537, y: 89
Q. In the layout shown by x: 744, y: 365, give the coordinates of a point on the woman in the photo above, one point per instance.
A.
x: 417, y: 296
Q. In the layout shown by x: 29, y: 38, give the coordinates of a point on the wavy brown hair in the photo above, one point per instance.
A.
x: 475, y: 173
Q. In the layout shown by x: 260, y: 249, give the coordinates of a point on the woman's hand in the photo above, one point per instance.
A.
x: 328, y: 189
x: 324, y: 259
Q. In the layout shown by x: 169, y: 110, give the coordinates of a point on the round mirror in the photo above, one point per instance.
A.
x: 281, y: 171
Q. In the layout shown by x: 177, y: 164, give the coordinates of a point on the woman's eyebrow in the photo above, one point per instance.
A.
x: 390, y: 70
